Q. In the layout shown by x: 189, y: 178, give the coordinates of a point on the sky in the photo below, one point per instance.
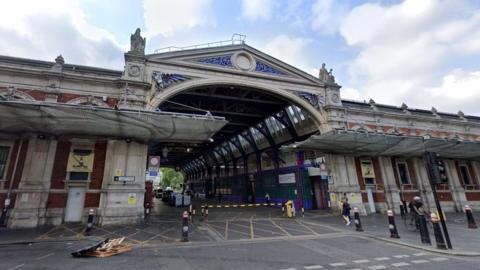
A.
x: 424, y: 53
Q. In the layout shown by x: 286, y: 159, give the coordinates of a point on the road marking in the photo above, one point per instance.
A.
x: 226, y: 230
x: 44, y: 256
x: 382, y: 259
x: 439, y: 259
x: 401, y: 256
x: 419, y: 261
x: 338, y: 264
x: 305, y: 226
x: 282, y: 229
x: 377, y: 267
x: 419, y: 254
x: 251, y: 229
x: 16, y: 267
x: 361, y: 261
x: 400, y: 264
x: 292, y: 268
x: 313, y: 267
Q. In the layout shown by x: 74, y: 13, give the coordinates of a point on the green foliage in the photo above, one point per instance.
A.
x: 171, y: 178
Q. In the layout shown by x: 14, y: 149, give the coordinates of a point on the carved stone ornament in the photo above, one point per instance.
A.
x: 60, y: 60
x: 335, y: 98
x: 137, y: 43
x: 134, y: 71
x: 311, y: 98
x: 164, y: 80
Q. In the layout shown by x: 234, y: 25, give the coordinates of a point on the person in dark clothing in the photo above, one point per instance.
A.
x: 416, y: 209
x: 219, y: 197
x: 346, y: 212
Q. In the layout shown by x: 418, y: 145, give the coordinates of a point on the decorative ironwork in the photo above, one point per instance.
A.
x: 164, y: 80
x: 224, y: 60
x: 262, y: 67
x: 311, y: 98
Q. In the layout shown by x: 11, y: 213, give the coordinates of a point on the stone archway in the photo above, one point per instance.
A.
x: 165, y: 95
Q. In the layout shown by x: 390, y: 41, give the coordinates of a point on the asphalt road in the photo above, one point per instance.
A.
x: 318, y: 252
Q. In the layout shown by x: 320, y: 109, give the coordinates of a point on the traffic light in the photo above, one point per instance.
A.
x: 436, y: 168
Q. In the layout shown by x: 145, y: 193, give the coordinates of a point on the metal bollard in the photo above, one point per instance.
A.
x: 391, y: 225
x: 206, y: 212
x: 283, y: 210
x: 185, y: 227
x: 470, y: 219
x: 438, y: 232
x: 358, y: 223
x: 193, y: 214
x: 91, y: 212
x: 202, y: 211
x: 402, y: 212
x: 303, y: 212
x: 424, y: 235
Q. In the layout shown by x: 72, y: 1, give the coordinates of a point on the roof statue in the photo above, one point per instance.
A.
x: 326, y: 76
x: 323, y: 73
x: 137, y: 43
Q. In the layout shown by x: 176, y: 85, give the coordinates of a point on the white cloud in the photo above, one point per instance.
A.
x: 327, y: 15
x: 289, y: 49
x: 169, y: 17
x: 44, y: 29
x: 254, y: 10
x: 405, y: 48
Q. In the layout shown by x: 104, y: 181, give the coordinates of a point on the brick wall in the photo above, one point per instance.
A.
x: 96, y: 176
x: 92, y: 200
x: 60, y: 164
x: 57, y: 200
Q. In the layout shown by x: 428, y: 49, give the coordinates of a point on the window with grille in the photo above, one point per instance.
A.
x: 3, y: 160
x: 403, y: 173
x: 465, y: 175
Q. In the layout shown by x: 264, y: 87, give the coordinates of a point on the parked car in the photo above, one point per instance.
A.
x: 166, y: 195
x: 158, y: 193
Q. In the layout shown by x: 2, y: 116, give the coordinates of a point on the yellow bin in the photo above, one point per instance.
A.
x: 289, y: 206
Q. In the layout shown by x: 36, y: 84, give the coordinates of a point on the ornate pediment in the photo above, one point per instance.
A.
x: 241, y: 59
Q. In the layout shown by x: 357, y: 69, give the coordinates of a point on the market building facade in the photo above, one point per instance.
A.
x: 233, y: 119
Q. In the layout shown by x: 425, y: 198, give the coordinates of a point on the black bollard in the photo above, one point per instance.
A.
x: 193, y: 214
x: 303, y: 212
x: 185, y: 227
x: 437, y: 231
x: 402, y: 212
x: 89, y: 221
x: 358, y: 223
x: 470, y: 219
x: 391, y: 225
x: 283, y: 210
x: 424, y: 235
x: 206, y: 212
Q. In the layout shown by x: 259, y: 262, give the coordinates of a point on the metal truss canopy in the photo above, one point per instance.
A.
x: 18, y: 117
x: 378, y: 144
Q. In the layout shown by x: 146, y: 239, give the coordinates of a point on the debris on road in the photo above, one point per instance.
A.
x: 104, y: 248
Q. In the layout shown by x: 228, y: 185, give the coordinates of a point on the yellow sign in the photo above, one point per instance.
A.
x: 367, y: 169
x: 132, y: 198
x: 80, y: 161
x: 118, y: 172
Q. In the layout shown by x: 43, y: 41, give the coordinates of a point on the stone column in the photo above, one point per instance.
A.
x: 458, y: 192
x: 392, y: 194
x: 423, y: 183
x: 344, y: 179
x: 32, y: 195
x: 122, y: 202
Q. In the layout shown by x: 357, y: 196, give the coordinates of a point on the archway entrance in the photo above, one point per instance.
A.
x: 242, y: 161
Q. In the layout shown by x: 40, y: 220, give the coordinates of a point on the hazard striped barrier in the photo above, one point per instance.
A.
x: 240, y: 205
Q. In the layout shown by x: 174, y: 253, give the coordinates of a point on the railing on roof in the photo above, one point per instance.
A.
x: 236, y: 39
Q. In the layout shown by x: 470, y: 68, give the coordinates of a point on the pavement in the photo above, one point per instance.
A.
x: 245, y: 238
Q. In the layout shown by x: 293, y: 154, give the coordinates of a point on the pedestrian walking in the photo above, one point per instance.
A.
x: 267, y: 199
x: 346, y: 212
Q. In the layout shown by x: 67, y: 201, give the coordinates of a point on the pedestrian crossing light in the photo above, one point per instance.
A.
x: 436, y: 168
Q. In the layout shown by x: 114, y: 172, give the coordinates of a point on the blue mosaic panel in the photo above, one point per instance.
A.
x: 224, y: 60
x: 311, y: 98
x: 262, y: 67
x: 164, y: 80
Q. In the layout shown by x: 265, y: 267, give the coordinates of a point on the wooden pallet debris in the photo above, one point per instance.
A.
x: 105, y: 248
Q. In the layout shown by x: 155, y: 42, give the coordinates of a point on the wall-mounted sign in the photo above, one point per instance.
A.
x: 132, y: 198
x: 288, y: 178
x: 367, y: 169
x: 80, y: 161
x: 153, y: 163
x: 124, y: 178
